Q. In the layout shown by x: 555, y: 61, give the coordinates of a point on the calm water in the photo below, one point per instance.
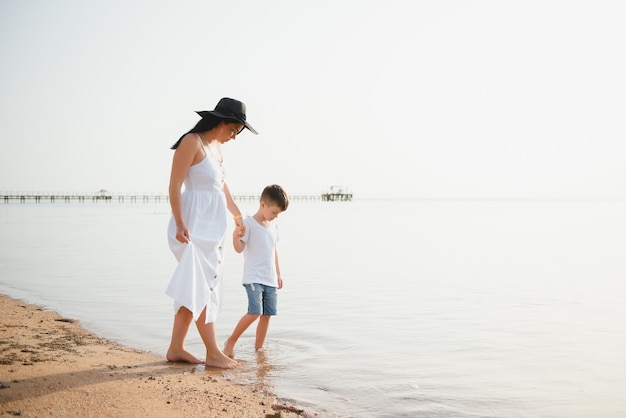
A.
x: 390, y: 308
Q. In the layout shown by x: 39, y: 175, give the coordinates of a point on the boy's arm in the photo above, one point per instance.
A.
x: 238, y: 244
x: 280, y: 279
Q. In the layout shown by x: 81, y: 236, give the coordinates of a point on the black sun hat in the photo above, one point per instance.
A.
x: 229, y: 109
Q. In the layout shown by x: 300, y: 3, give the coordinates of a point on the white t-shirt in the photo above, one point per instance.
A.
x: 259, y: 253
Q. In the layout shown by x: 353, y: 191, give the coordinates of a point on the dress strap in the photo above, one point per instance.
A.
x: 201, y: 144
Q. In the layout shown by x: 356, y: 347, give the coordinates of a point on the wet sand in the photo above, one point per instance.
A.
x: 51, y: 367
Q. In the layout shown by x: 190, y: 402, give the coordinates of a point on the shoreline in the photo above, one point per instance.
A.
x: 51, y: 366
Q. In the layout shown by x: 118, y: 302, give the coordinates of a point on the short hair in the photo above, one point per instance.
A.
x: 275, y: 194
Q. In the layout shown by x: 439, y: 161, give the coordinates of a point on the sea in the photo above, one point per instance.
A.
x: 390, y: 307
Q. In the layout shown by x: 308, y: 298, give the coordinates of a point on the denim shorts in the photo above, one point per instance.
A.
x: 261, y: 299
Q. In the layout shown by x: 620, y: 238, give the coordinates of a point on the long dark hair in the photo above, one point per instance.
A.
x: 207, y: 123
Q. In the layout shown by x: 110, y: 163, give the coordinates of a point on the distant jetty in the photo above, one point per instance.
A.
x: 337, y: 194
x: 105, y: 196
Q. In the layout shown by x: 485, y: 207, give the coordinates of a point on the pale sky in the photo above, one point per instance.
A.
x: 388, y: 98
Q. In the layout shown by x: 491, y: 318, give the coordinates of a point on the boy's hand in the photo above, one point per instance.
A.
x: 240, y: 228
x: 280, y: 283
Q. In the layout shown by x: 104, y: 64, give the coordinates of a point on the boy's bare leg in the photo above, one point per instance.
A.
x: 214, y: 356
x: 261, y: 331
x: 242, y: 325
x: 176, y: 351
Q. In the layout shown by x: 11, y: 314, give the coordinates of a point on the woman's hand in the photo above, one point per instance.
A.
x: 238, y: 233
x: 240, y: 227
x: 182, y: 234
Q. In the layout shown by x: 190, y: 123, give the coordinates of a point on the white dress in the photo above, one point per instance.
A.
x: 196, y: 282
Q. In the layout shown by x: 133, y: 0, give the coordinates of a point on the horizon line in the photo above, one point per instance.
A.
x: 31, y: 194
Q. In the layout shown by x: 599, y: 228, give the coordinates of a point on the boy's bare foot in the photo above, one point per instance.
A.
x: 229, y: 349
x: 220, y: 360
x: 182, y: 356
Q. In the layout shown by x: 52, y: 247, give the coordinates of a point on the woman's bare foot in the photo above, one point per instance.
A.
x: 229, y: 349
x: 220, y: 360
x: 182, y: 356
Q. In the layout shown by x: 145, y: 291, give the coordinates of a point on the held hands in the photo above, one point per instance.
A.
x: 239, y: 232
x: 240, y: 227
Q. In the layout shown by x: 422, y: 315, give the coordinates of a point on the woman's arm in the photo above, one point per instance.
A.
x: 182, y: 160
x: 234, y: 209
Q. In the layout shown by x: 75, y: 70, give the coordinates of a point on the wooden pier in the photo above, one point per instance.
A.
x: 337, y: 194
x: 100, y: 197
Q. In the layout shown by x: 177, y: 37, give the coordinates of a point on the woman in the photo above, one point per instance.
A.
x: 198, y: 226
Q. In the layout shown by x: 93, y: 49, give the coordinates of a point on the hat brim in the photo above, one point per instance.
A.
x: 202, y: 113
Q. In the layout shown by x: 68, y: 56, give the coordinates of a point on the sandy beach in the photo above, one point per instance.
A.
x: 51, y: 367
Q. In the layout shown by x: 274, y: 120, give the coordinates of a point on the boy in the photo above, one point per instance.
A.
x: 261, y: 272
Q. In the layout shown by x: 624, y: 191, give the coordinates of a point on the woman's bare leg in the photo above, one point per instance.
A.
x: 214, y: 356
x: 177, y: 352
